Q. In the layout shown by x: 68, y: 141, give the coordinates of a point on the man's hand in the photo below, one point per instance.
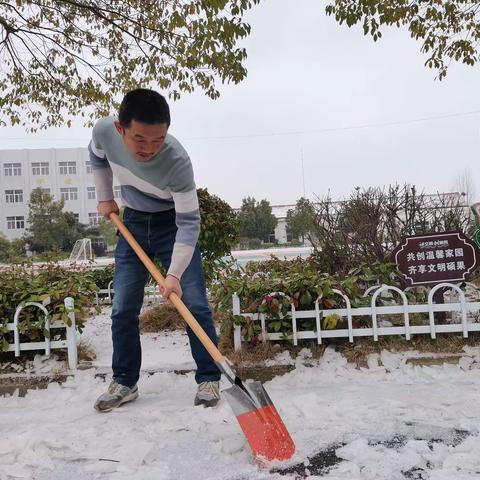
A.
x: 172, y: 284
x: 108, y: 207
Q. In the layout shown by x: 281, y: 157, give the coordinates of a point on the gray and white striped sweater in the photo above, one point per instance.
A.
x: 163, y: 183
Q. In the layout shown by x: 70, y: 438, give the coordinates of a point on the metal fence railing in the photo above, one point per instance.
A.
x: 48, y: 343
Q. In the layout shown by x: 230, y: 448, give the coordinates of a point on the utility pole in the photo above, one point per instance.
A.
x: 303, y: 171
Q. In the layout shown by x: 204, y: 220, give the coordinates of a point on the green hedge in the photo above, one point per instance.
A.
x: 296, y: 281
x: 21, y: 284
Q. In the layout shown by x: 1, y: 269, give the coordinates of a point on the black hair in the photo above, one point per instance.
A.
x: 143, y: 105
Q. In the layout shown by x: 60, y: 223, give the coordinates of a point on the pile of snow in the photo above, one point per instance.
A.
x: 391, y: 421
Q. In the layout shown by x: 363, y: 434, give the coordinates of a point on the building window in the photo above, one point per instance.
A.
x: 14, y: 196
x: 99, y: 242
x: 270, y: 238
x: 91, y: 193
x: 12, y: 169
x: 76, y: 216
x: 70, y: 193
x: 15, y: 223
x: 40, y: 168
x: 93, y: 218
x: 290, y: 237
x: 116, y: 191
x: 89, y: 166
x: 68, y: 168
x: 45, y: 190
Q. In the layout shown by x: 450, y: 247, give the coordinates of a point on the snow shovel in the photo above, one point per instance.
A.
x: 264, y: 429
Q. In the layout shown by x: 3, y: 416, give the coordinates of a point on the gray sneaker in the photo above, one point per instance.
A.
x: 208, y: 394
x: 115, y: 396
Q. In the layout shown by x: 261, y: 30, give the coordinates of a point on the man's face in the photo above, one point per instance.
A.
x: 143, y: 141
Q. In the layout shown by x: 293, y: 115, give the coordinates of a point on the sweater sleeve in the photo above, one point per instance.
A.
x: 102, y: 173
x: 187, y: 214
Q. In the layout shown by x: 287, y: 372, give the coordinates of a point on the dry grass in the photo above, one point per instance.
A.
x: 254, y: 354
x: 160, y: 318
x: 260, y: 352
x: 164, y: 317
x: 358, y: 352
x: 85, y: 352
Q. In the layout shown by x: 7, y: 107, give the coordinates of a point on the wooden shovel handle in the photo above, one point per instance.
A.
x: 174, y: 298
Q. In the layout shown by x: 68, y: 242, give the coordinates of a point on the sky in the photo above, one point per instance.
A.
x: 323, y: 110
x: 391, y: 421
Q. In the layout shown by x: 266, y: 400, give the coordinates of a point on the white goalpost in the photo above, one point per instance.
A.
x: 82, y: 250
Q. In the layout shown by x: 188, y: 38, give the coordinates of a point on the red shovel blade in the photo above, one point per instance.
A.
x: 262, y: 425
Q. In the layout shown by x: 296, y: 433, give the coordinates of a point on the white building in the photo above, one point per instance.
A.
x: 62, y: 172
x: 280, y: 211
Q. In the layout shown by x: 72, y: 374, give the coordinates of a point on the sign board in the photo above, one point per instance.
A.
x: 437, y: 258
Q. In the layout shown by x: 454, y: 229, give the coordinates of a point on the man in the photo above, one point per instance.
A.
x: 161, y: 212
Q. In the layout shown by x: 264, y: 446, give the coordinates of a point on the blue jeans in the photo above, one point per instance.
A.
x: 155, y: 232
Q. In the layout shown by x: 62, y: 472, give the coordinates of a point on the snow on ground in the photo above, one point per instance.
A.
x: 165, y: 351
x: 396, y: 421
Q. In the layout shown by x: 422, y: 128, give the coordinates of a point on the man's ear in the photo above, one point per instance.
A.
x: 119, y: 128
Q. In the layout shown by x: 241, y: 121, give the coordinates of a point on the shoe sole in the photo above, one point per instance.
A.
x: 128, y: 398
x: 206, y: 403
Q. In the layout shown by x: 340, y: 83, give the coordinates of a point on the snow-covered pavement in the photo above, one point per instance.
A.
x: 395, y: 421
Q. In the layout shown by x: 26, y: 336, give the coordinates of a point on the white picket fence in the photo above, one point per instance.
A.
x: 48, y: 344
x: 105, y: 295
x: 463, y: 307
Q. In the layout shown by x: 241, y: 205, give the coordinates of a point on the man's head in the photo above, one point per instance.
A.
x: 143, y: 121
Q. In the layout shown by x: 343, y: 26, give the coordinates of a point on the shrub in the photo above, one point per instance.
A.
x: 103, y: 276
x: 219, y: 230
x: 270, y: 287
x: 368, y: 225
x: 22, y: 284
